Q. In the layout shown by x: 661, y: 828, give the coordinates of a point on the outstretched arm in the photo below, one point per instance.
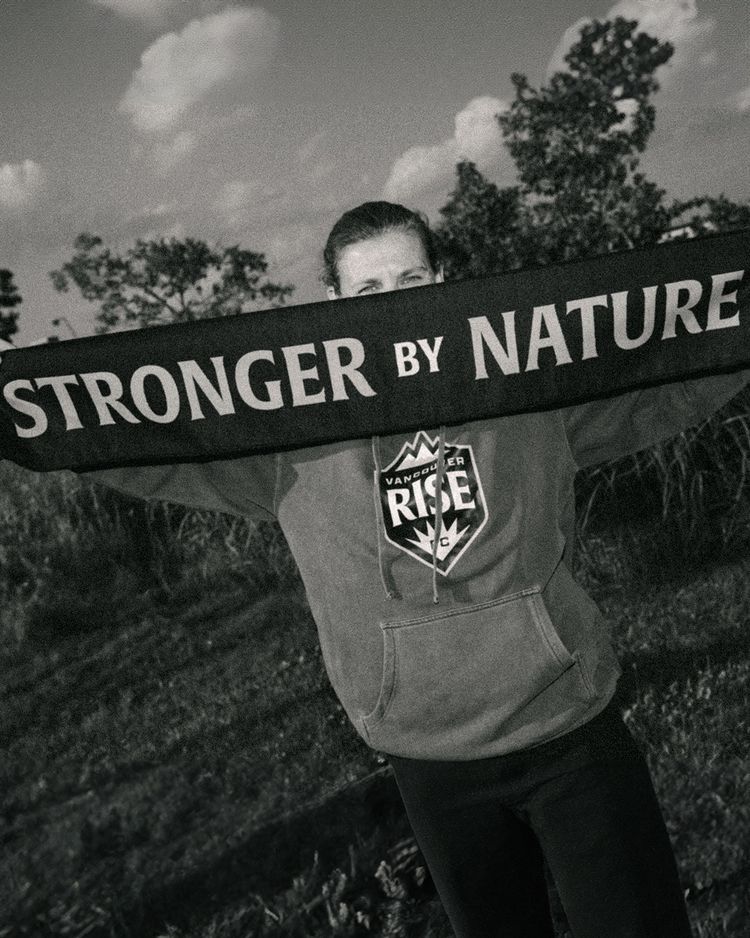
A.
x: 244, y: 486
x: 611, y: 428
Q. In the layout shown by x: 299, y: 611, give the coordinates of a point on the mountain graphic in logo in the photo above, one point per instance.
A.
x: 408, y: 495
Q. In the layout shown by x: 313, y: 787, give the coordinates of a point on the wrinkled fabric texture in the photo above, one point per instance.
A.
x: 514, y: 653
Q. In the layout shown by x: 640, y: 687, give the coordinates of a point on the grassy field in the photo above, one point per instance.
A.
x: 174, y: 762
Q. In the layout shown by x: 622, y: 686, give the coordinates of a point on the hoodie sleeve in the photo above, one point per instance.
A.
x: 245, y: 486
x: 608, y: 429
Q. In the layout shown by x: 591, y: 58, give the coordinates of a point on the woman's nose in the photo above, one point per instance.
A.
x: 388, y: 284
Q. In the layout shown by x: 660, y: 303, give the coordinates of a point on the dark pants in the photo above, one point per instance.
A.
x: 584, y: 802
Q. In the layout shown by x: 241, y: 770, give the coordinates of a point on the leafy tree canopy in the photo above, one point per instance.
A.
x: 167, y: 280
x: 483, y: 229
x: 707, y: 214
x: 9, y: 299
x: 576, y: 143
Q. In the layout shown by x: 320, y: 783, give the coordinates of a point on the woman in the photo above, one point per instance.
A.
x: 456, y: 637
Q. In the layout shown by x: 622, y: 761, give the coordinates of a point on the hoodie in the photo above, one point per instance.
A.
x: 473, y: 643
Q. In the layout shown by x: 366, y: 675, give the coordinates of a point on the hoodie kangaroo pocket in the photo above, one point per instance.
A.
x: 453, y: 681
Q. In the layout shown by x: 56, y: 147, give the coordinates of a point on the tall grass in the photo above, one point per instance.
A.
x: 76, y: 556
x: 674, y: 505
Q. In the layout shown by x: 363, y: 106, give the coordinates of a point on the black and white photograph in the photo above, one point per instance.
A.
x: 374, y: 469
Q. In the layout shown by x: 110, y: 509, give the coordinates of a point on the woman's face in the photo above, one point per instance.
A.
x: 393, y: 260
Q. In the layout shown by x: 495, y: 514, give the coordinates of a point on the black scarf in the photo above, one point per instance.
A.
x: 447, y: 353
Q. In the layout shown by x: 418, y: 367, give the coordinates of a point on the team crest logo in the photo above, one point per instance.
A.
x: 407, y: 492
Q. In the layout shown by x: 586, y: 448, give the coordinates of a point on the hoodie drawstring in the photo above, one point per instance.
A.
x: 379, y: 520
x: 438, y: 511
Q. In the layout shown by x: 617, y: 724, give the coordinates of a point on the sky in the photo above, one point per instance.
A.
x: 259, y: 124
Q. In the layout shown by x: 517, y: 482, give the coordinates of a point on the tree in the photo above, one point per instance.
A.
x: 576, y: 143
x: 707, y: 214
x: 483, y: 227
x: 9, y: 299
x: 167, y: 280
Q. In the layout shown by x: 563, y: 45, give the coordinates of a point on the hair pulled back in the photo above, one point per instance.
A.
x: 368, y: 221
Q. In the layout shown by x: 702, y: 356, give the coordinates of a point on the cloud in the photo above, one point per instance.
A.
x: 168, y: 153
x: 312, y: 147
x: 476, y: 137
x: 741, y: 100
x: 294, y: 243
x: 20, y: 183
x: 237, y: 194
x: 240, y: 114
x: 677, y: 21
x: 238, y: 200
x: 242, y: 204
x: 153, y: 210
x: 180, y: 68
x: 140, y: 9
x: 315, y: 160
x: 150, y: 214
